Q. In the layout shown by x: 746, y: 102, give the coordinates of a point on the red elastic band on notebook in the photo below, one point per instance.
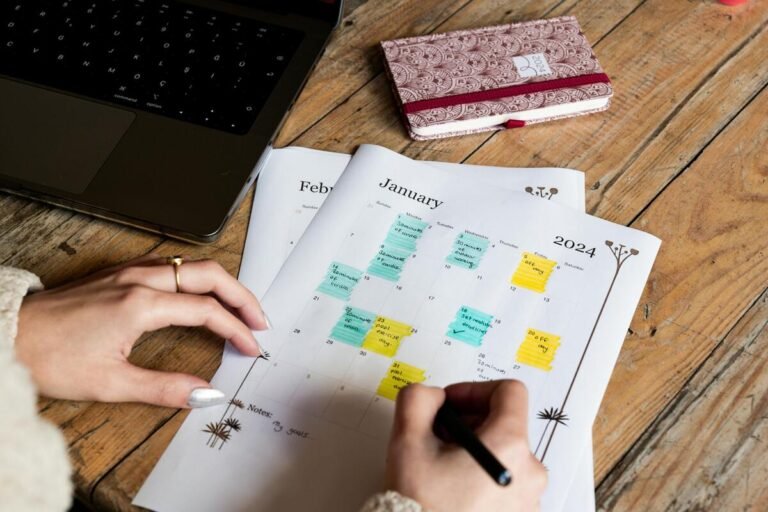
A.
x: 505, y: 92
x: 514, y: 123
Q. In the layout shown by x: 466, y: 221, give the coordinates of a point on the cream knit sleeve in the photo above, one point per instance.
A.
x: 391, y: 501
x: 34, y: 468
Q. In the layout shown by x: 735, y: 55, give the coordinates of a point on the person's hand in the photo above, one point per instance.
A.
x: 75, y: 339
x: 443, y: 476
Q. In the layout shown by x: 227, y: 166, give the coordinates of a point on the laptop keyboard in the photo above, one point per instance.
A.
x: 171, y: 58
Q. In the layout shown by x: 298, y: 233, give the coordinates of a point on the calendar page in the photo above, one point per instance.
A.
x: 295, y: 182
x: 408, y: 275
x: 292, y: 188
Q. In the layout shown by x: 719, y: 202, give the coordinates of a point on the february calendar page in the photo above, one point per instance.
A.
x: 409, y: 275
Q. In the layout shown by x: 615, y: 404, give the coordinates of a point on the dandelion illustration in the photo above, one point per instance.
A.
x: 621, y: 253
x: 223, y: 429
x: 542, y: 192
x: 556, y: 416
x: 228, y: 426
x: 217, y: 430
x: 233, y: 424
x: 550, y: 415
x: 235, y: 404
x: 214, y: 428
x: 553, y: 414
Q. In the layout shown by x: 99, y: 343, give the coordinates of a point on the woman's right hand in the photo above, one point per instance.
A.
x: 443, y: 476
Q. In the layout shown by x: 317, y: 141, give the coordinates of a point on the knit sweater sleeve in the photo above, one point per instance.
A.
x: 391, y: 501
x: 34, y: 468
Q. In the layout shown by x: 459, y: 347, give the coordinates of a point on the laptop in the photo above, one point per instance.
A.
x: 150, y: 113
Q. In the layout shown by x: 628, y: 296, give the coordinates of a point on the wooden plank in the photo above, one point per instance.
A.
x: 700, y: 119
x: 51, y: 253
x: 12, y: 210
x: 706, y: 451
x: 352, y: 57
x: 30, y: 225
x: 711, y: 268
x: 117, y: 488
x: 662, y: 113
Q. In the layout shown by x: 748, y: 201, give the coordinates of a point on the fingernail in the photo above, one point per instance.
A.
x: 267, y: 320
x: 262, y: 353
x: 205, y: 397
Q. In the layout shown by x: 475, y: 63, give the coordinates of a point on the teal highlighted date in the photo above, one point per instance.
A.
x: 352, y: 327
x: 398, y: 246
x: 469, y: 326
x: 467, y: 251
x: 340, y: 280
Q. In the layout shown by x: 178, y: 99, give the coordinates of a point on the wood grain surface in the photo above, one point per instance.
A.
x: 681, y: 153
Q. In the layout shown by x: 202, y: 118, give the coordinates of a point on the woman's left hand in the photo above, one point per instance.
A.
x: 76, y: 339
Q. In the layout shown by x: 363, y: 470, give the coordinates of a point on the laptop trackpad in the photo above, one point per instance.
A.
x: 55, y: 140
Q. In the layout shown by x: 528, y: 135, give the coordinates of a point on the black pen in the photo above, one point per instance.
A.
x: 449, y: 419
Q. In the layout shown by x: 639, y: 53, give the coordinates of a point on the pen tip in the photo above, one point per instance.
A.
x: 505, y: 478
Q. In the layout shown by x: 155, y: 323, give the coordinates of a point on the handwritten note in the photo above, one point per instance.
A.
x: 353, y: 325
x: 398, y: 246
x: 469, y: 326
x: 533, y: 272
x: 398, y: 376
x: 385, y: 336
x: 340, y: 280
x: 538, y: 349
x: 468, y: 250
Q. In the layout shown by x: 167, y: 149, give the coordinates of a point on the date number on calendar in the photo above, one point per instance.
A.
x: 576, y: 246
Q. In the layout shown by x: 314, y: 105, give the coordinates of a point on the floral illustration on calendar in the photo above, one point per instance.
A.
x: 543, y: 192
x: 555, y: 416
x: 221, y: 431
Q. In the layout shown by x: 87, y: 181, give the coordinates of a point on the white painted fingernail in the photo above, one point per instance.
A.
x: 205, y: 397
x: 267, y: 320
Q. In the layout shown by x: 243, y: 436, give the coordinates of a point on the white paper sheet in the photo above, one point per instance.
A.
x: 292, y: 188
x: 317, y: 418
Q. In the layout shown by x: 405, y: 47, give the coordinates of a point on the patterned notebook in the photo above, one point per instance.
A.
x: 495, y: 77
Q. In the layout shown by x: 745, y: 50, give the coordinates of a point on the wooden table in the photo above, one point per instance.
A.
x: 681, y: 154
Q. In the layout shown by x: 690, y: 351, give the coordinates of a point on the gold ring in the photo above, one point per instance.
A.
x: 176, y: 261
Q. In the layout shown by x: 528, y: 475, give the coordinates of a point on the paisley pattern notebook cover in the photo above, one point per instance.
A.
x: 496, y: 72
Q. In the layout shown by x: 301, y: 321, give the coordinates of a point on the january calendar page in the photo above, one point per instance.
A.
x: 295, y: 182
x: 409, y: 275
